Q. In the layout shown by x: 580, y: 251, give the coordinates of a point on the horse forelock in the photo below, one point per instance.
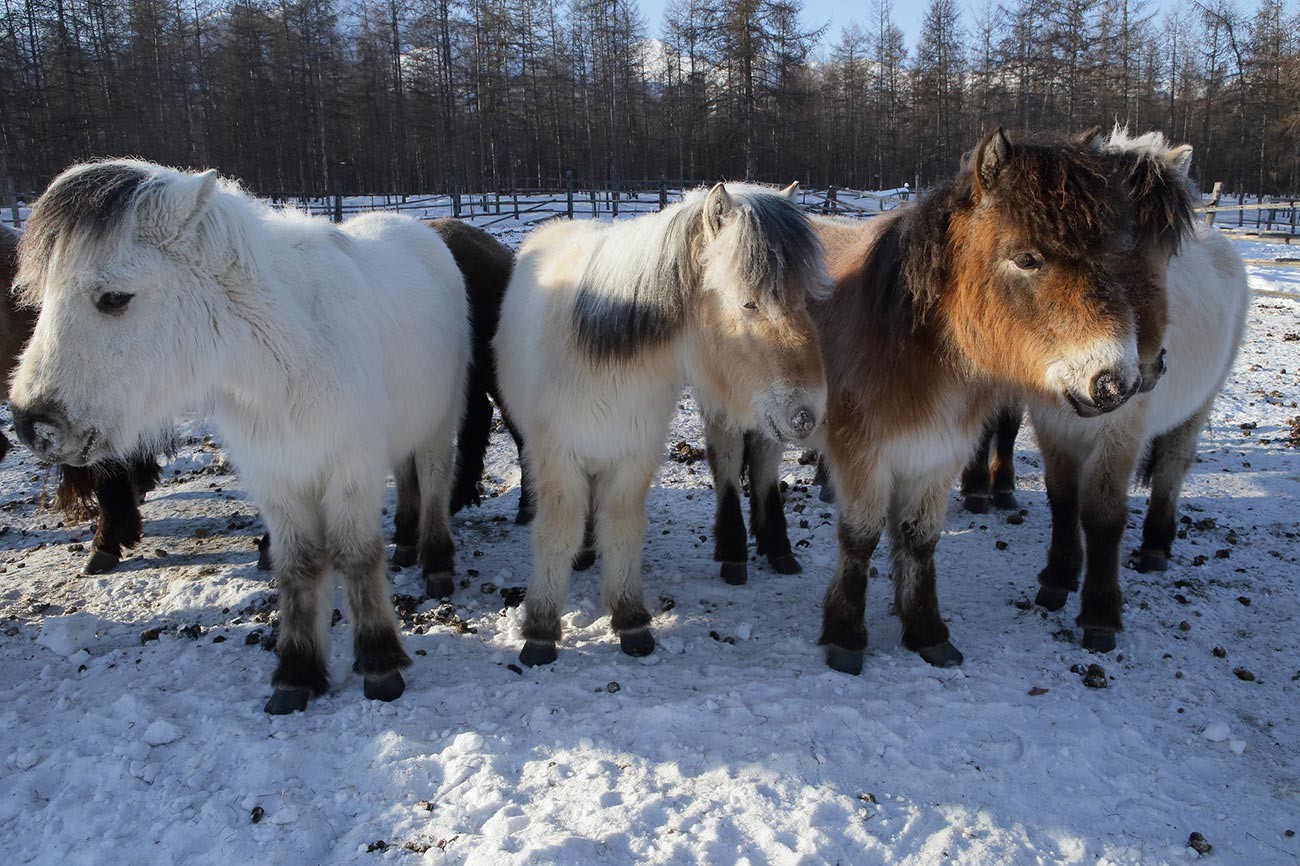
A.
x: 1061, y: 198
x: 778, y: 254
x: 88, y: 204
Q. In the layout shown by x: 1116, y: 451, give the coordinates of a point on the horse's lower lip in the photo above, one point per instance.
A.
x: 1082, y: 409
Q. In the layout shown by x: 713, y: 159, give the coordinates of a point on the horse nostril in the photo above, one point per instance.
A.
x: 1108, y: 390
x: 38, y: 431
x: 802, y: 421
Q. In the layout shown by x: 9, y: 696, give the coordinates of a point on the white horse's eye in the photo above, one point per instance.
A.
x: 751, y: 305
x: 113, y: 302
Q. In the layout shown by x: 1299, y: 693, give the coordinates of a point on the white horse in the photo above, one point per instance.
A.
x: 1089, y: 462
x: 329, y: 353
x: 602, y: 325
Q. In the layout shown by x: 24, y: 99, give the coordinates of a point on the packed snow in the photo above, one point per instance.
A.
x: 132, y: 729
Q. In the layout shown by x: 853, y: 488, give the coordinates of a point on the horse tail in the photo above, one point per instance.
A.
x: 75, y: 495
x: 472, y: 441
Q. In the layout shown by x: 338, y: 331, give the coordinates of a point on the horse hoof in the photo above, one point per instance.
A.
x: 584, y: 560
x: 786, y: 564
x: 439, y: 585
x: 388, y: 687
x: 945, y: 655
x: 1152, y: 560
x: 405, y: 555
x: 263, y: 554
x: 827, y: 493
x: 285, y: 701
x: 846, y: 661
x: 1005, y: 499
x: 976, y: 503
x: 1051, y: 598
x: 637, y: 642
x: 101, y: 562
x: 735, y: 573
x: 538, y: 652
x: 1098, y: 640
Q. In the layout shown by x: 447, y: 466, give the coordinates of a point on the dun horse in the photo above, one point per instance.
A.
x: 1002, y: 281
x: 1089, y: 463
x: 329, y: 353
x: 601, y: 326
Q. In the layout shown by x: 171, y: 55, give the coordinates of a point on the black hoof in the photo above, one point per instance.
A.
x: 388, y: 687
x: 285, y: 701
x: 786, y: 564
x: 845, y: 661
x: 976, y: 503
x: 1098, y: 640
x: 637, y: 642
x: 439, y: 585
x: 735, y: 573
x: 827, y: 493
x: 1051, y: 598
x: 101, y: 562
x: 538, y: 652
x: 945, y: 655
x: 1005, y: 499
x: 1152, y: 560
x: 264, y: 553
x: 405, y: 555
x: 584, y: 560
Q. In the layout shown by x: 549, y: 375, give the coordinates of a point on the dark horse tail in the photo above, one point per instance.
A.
x: 486, y: 264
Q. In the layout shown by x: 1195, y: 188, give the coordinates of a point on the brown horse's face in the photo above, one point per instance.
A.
x: 755, y: 349
x: 1032, y: 305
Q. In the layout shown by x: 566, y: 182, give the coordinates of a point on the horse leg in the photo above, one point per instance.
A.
x: 1105, y: 513
x: 822, y: 478
x: 119, y: 523
x: 526, y: 504
x: 356, y: 547
x: 264, y: 552
x: 301, y: 646
x: 145, y: 475
x: 1004, y: 462
x: 726, y: 452
x: 563, y: 496
x: 915, y: 522
x: 1168, y: 462
x: 766, y: 508
x: 471, y: 444
x: 585, y: 558
x: 976, y: 480
x: 863, y: 507
x: 406, y: 522
x: 433, y: 465
x: 620, y: 494
x: 1061, y: 468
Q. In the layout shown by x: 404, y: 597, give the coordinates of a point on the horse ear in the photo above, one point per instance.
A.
x: 1180, y: 159
x: 990, y: 158
x: 792, y: 191
x: 174, y: 201
x: 717, y: 204
x: 1089, y: 137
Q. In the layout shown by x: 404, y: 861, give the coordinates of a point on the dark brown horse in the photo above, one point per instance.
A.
x: 114, y: 489
x: 1004, y: 281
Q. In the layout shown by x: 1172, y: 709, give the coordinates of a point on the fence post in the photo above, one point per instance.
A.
x: 1293, y: 217
x: 11, y: 191
x: 455, y: 195
x: 1215, y: 195
x: 338, y: 194
x: 613, y: 197
x: 595, y: 210
x: 498, y: 200
x: 663, y: 193
x: 832, y: 202
x: 568, y: 190
x: 514, y: 192
x: 1241, y: 214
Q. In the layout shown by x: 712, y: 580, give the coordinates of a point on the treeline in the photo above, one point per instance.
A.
x: 314, y: 96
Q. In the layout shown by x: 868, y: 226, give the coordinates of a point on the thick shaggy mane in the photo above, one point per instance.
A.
x: 1155, y: 173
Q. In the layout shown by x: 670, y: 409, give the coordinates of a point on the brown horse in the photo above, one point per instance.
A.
x: 1089, y: 464
x: 1006, y: 280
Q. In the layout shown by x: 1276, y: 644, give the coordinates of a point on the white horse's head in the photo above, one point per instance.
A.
x: 756, y: 352
x: 125, y: 269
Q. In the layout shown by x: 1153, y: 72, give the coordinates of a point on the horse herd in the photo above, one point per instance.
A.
x: 1068, y: 276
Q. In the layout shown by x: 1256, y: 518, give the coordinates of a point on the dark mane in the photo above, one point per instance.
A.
x: 91, y: 201
x: 1162, y: 202
x: 779, y: 243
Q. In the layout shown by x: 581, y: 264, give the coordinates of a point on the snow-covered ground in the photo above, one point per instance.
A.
x: 132, y: 731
